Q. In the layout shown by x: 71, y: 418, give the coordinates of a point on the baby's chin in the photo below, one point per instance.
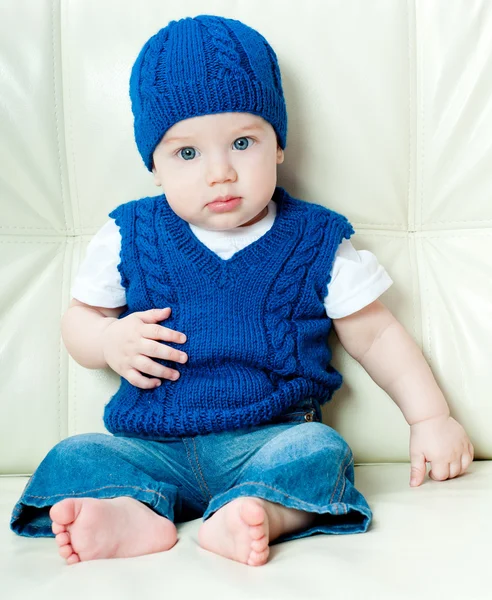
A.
x: 219, y: 222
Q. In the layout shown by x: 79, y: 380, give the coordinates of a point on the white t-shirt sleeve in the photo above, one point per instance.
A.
x: 98, y: 281
x: 357, y: 279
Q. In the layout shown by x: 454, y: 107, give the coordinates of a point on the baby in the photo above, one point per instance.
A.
x: 214, y: 301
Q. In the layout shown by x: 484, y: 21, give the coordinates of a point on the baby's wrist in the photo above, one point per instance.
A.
x: 108, y: 321
x: 442, y: 416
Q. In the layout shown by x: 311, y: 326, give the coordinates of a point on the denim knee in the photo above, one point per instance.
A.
x: 308, y: 467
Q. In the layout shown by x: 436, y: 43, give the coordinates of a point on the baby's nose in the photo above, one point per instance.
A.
x: 220, y: 171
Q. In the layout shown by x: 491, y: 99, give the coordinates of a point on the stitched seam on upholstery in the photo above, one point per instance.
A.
x: 426, y: 288
x: 463, y: 221
x: 413, y: 244
x: 409, y: 115
x: 200, y: 469
x: 193, y: 469
x: 75, y: 399
x: 56, y: 112
x: 58, y: 242
x: 422, y: 164
x: 425, y: 234
x: 363, y: 224
x: 343, y: 469
x: 70, y: 133
x: 106, y: 487
x: 411, y: 240
x: 91, y: 230
x: 360, y: 225
x: 60, y: 342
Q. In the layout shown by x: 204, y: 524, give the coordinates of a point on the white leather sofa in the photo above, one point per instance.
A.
x: 390, y: 107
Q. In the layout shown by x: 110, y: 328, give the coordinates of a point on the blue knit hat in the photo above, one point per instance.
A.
x: 200, y: 66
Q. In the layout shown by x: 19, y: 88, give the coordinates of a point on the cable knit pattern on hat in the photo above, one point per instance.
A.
x: 256, y: 325
x: 200, y: 66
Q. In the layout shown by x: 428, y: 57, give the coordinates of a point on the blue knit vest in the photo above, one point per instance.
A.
x: 256, y: 325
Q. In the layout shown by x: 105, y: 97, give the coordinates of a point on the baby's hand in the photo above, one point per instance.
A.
x: 442, y: 441
x: 129, y: 342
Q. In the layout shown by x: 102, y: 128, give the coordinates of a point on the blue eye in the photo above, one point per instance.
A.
x: 241, y: 143
x: 187, y: 153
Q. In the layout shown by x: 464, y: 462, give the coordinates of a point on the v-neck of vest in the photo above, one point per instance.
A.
x: 225, y: 271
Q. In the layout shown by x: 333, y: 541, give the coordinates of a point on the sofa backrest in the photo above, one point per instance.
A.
x: 390, y: 123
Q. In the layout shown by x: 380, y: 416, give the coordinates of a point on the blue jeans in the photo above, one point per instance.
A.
x: 294, y: 460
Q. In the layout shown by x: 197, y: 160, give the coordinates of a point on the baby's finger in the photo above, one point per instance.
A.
x: 145, y: 365
x: 138, y: 380
x: 158, y: 350
x: 154, y: 315
x: 439, y: 471
x: 471, y: 450
x: 417, y: 469
x: 158, y: 332
x: 466, y: 461
x: 455, y: 469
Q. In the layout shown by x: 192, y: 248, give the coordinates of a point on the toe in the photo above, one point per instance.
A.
x: 258, y: 558
x: 257, y: 532
x: 65, y: 551
x: 252, y: 513
x: 57, y: 528
x: 72, y: 559
x: 66, y: 511
x: 62, y: 539
x: 259, y: 545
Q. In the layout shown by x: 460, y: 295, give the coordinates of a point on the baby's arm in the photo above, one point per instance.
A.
x: 96, y: 338
x: 381, y: 345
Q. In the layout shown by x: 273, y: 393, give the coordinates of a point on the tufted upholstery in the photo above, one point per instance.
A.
x: 390, y: 122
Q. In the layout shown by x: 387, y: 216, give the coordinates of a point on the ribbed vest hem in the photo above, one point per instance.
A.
x: 201, y: 421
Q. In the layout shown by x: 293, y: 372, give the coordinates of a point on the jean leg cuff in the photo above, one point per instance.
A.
x: 334, y: 518
x: 30, y: 516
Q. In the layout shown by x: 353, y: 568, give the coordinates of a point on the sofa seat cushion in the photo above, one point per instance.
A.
x: 426, y: 542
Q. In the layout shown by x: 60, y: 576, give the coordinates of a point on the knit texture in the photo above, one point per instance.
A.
x: 256, y: 325
x: 200, y: 66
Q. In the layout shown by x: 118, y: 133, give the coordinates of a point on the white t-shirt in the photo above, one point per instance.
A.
x: 357, y: 278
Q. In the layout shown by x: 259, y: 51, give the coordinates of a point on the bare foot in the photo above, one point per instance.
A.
x: 90, y: 528
x: 242, y: 529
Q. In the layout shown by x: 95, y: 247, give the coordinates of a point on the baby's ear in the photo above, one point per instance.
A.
x: 157, y: 179
x: 280, y: 155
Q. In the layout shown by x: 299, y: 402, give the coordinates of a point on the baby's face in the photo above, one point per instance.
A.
x: 203, y: 161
